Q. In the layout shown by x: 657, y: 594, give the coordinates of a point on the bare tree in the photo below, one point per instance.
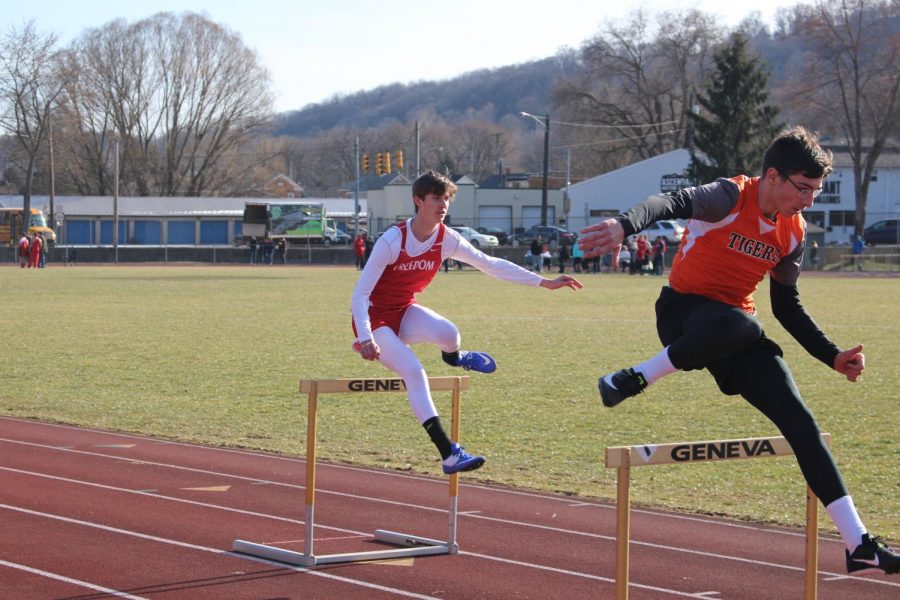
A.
x: 29, y: 86
x: 637, y: 83
x: 181, y: 95
x: 851, y: 77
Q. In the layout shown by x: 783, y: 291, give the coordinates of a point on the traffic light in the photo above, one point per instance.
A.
x: 387, y: 162
x: 365, y: 163
x: 399, y: 159
x: 379, y: 164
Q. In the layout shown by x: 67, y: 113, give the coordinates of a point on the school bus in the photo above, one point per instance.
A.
x: 11, y: 225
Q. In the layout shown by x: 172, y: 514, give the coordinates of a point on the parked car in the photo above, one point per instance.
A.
x: 672, y: 231
x: 478, y: 240
x: 882, y: 232
x: 336, y: 236
x: 547, y: 233
x: 498, y: 233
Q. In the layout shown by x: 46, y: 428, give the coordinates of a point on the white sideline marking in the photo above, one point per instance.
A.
x: 217, y: 551
x: 63, y: 578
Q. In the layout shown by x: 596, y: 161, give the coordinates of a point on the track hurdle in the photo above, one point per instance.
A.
x: 414, y: 545
x: 622, y: 458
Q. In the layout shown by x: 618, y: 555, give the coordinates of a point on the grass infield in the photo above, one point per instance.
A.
x: 213, y: 355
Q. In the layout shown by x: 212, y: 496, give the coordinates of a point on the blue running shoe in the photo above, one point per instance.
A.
x: 471, y: 360
x: 460, y: 460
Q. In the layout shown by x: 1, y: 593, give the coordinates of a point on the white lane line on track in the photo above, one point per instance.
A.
x: 216, y: 551
x: 394, y: 474
x: 401, y: 504
x: 257, y: 481
x: 63, y: 578
x: 494, y: 519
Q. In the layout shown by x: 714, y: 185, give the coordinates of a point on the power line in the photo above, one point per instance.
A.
x: 625, y: 125
x: 620, y: 140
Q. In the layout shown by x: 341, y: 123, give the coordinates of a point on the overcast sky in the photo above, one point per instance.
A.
x: 315, y: 49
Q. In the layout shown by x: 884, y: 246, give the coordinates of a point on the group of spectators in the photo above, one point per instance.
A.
x: 637, y: 256
x: 266, y: 251
x: 32, y: 251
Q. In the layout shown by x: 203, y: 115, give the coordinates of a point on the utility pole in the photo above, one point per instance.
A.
x: 546, y: 168
x: 116, y: 205
x: 356, y: 192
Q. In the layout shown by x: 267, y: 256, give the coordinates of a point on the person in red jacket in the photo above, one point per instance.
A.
x: 34, y: 251
x: 23, y: 250
x: 359, y: 249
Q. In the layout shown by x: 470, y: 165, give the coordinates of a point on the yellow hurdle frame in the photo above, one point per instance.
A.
x: 415, y: 546
x: 623, y: 458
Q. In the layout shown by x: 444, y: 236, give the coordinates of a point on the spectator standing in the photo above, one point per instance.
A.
x: 659, y: 255
x: 536, y: 254
x: 34, y: 251
x: 359, y: 250
x: 814, y: 255
x: 563, y: 256
x: 625, y: 258
x: 576, y: 258
x: 254, y: 251
x: 858, y: 245
x: 23, y: 250
x: 44, y: 251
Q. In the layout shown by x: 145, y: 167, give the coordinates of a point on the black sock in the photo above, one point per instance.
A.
x: 438, y: 436
x: 451, y: 358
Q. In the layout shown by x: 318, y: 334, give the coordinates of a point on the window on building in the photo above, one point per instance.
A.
x: 213, y: 232
x: 106, y: 232
x: 842, y: 218
x: 147, y: 232
x: 181, y: 233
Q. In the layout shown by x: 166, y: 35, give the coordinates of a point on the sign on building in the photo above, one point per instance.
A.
x: 674, y: 182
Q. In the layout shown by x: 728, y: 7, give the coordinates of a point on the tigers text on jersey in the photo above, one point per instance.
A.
x: 725, y: 260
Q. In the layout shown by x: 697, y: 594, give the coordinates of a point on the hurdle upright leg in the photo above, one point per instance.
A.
x: 311, y: 430
x: 811, y: 582
x: 623, y: 523
x: 454, y: 478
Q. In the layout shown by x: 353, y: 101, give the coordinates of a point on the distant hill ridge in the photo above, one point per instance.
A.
x: 496, y: 92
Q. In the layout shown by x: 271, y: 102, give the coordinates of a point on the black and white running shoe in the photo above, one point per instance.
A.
x: 872, y: 556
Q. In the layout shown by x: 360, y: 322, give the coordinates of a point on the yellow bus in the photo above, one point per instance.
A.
x: 11, y: 225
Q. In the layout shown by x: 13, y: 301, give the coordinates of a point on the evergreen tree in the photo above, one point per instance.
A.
x: 736, y: 126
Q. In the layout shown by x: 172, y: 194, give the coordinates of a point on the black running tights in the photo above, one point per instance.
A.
x: 732, y: 345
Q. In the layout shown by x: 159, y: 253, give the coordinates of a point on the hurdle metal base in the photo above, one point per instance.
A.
x: 415, y: 546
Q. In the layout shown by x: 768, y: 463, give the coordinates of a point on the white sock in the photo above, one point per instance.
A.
x: 846, y: 519
x: 657, y: 367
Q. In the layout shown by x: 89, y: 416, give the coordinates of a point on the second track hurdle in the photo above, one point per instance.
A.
x: 622, y: 458
x: 415, y: 546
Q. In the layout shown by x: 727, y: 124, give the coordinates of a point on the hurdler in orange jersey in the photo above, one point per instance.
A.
x: 740, y: 229
x: 727, y: 259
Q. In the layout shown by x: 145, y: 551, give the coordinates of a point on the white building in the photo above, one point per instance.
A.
x: 834, y: 210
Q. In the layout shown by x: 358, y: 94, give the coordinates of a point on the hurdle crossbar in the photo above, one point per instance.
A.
x: 413, y: 545
x: 622, y: 458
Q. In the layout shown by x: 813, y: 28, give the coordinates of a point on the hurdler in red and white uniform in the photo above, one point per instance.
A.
x: 387, y: 319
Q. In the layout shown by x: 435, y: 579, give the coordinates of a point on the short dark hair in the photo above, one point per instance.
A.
x: 432, y: 182
x: 797, y: 150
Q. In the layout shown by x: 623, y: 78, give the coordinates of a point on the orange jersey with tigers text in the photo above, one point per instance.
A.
x: 725, y: 260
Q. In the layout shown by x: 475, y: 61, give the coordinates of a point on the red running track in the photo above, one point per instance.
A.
x: 90, y: 514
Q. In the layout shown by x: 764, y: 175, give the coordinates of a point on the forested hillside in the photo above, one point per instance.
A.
x: 491, y: 93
